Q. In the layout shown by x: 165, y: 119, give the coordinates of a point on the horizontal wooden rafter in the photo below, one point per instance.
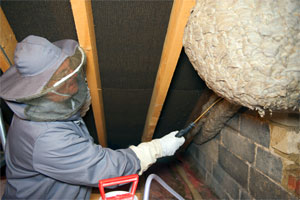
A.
x: 8, y: 43
x: 82, y: 13
x: 170, y: 54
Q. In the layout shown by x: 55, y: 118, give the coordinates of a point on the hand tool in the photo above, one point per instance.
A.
x: 184, y: 131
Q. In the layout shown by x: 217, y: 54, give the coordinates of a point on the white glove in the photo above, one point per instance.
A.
x: 170, y: 143
x: 149, y: 152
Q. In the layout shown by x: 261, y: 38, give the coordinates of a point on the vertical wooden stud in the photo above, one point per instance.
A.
x: 170, y: 54
x: 8, y: 43
x: 83, y: 17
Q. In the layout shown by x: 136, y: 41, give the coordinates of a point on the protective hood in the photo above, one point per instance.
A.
x: 63, y: 92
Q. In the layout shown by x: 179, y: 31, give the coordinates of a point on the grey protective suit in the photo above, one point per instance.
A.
x: 59, y: 160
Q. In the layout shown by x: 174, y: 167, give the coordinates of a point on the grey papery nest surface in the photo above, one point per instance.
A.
x: 248, y: 51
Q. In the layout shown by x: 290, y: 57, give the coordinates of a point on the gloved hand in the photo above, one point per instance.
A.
x: 149, y: 152
x: 170, y: 143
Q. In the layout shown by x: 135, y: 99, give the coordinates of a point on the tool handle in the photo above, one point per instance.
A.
x: 184, y: 131
x: 116, y: 181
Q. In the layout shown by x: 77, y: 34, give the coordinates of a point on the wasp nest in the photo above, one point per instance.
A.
x: 248, y: 51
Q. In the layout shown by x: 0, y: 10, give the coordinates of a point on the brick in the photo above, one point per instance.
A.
x: 210, y: 149
x: 226, y: 182
x: 245, y: 195
x: 203, y: 156
x: 200, y: 161
x: 216, y: 188
x: 238, y: 144
x: 255, y: 129
x: 269, y: 164
x: 285, y: 139
x: 196, y: 154
x: 263, y: 188
x: 297, y: 189
x: 234, y: 122
x: 234, y: 166
x: 218, y: 137
x: 200, y: 171
x: 292, y: 182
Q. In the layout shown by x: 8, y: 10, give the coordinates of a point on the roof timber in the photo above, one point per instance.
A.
x: 82, y: 13
x: 169, y: 58
x: 8, y: 43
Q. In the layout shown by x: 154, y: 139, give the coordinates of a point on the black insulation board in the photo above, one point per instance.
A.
x: 125, y: 115
x: 50, y: 19
x: 184, y: 92
x: 129, y: 38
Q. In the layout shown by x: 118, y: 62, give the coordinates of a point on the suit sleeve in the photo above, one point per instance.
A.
x: 69, y: 157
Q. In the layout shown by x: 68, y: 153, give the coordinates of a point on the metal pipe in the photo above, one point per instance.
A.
x: 2, y: 131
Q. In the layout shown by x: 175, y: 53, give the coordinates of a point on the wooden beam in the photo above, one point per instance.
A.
x: 8, y: 43
x: 83, y: 17
x: 170, y: 54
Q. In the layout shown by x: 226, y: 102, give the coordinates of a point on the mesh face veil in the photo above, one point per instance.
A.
x: 63, y: 95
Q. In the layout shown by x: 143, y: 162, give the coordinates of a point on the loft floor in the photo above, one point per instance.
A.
x: 177, y: 174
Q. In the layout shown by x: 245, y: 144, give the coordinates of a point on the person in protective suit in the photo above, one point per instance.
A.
x: 49, y: 152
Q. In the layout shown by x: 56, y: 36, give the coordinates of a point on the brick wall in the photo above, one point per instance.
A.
x: 242, y: 162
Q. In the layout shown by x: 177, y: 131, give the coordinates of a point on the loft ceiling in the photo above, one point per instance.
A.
x: 129, y: 38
